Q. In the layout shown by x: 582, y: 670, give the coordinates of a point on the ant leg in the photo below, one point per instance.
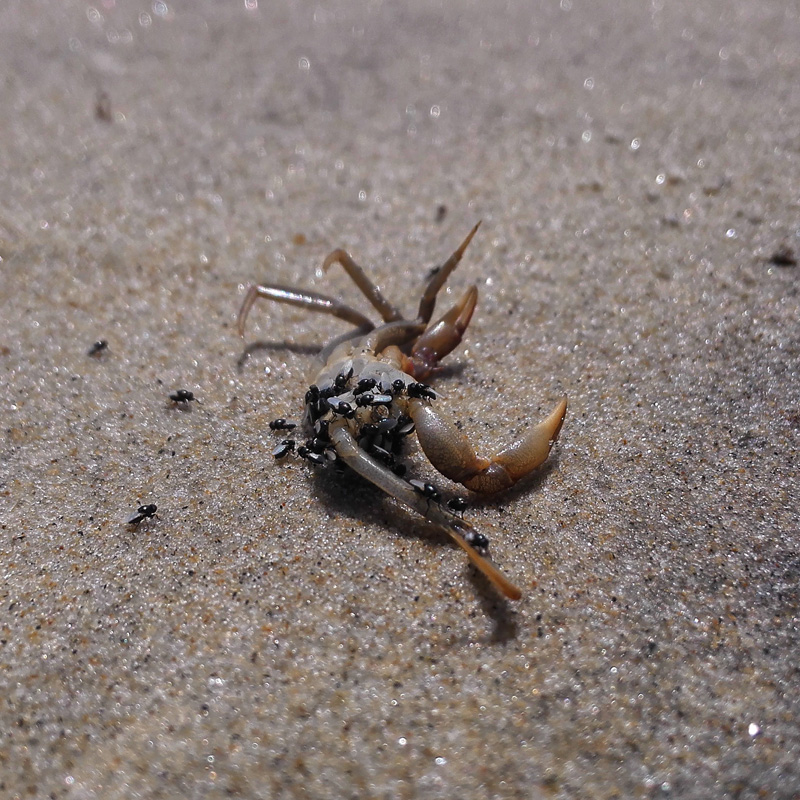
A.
x: 387, y: 311
x: 302, y: 298
x: 438, y: 278
x: 402, y: 491
x: 451, y: 453
x: 441, y: 338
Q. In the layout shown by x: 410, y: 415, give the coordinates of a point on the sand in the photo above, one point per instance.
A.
x: 279, y: 631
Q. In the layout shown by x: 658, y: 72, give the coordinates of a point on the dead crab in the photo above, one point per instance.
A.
x: 368, y: 396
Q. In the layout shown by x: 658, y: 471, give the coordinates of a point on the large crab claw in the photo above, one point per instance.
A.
x: 451, y: 453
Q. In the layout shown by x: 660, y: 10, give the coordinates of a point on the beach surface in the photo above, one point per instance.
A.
x: 282, y: 631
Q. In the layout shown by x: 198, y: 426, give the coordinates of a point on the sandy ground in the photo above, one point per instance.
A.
x: 281, y: 632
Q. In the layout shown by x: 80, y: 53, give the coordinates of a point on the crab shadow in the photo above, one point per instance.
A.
x: 350, y: 495
x: 265, y: 346
x: 262, y: 345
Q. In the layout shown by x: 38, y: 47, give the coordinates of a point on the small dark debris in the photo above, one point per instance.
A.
x: 783, y: 257
x: 98, y: 347
x: 441, y: 213
x: 433, y: 272
x: 102, y: 107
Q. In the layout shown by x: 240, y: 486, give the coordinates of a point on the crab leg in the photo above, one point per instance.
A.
x: 303, y: 298
x: 368, y: 288
x: 393, y: 333
x: 451, y: 453
x: 458, y: 530
x: 438, y: 278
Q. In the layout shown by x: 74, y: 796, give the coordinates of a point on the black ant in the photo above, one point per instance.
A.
x: 364, y: 385
x: 142, y: 513
x: 427, y: 490
x: 281, y: 424
x: 341, y: 380
x: 457, y: 504
x: 480, y: 541
x: 284, y: 448
x: 309, y: 455
x: 341, y: 407
x: 420, y: 390
x: 182, y: 396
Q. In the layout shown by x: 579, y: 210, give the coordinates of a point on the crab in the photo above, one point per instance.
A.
x: 369, y: 394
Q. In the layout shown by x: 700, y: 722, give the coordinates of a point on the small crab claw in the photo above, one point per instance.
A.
x: 451, y: 453
x: 442, y: 337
